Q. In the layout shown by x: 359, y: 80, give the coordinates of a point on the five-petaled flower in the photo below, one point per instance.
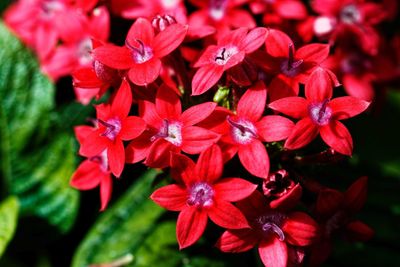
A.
x: 114, y: 126
x: 272, y: 230
x: 143, y: 51
x: 318, y: 113
x: 199, y: 194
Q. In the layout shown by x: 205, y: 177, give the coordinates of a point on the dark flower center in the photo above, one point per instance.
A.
x: 200, y: 195
x: 290, y: 66
x: 113, y: 127
x: 224, y: 54
x: 242, y: 131
x: 170, y: 131
x: 270, y: 224
x: 140, y: 52
x: 320, y: 113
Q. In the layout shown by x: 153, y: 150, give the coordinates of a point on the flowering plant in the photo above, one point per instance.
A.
x: 220, y: 107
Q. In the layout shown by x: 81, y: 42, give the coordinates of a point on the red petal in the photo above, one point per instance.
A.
x: 255, y: 159
x: 273, y: 252
x: 100, y: 23
x: 207, y: 57
x: 254, y: 205
x: 168, y: 104
x: 319, y: 86
x: 205, y: 78
x: 252, y: 104
x: 274, y: 128
x: 283, y: 86
x: 277, y: 43
x: 232, y: 37
x: 148, y: 112
x: 105, y: 191
x: 329, y: 201
x: 190, y: 226
x: 303, y: 133
x: 226, y: 215
x: 254, y: 39
x: 209, y: 166
x: 291, y: 9
x: 86, y: 176
x: 296, y: 107
x: 182, y: 169
x: 233, y: 189
x: 83, y: 131
x: 145, y: 73
x: 141, y: 30
x: 196, y: 139
x: 359, y: 87
x: 94, y: 144
x: 116, y: 157
x: 336, y: 135
x: 159, y: 154
x: 237, y: 240
x: 315, y: 53
x: 356, y: 195
x: 169, y: 39
x: 132, y: 127
x: 137, y: 149
x: 122, y: 101
x: 114, y: 56
x: 359, y: 231
x: 347, y: 106
x: 197, y: 113
x: 289, y: 200
x: 234, y: 60
x: 300, y: 229
x: 171, y: 197
x: 86, y: 78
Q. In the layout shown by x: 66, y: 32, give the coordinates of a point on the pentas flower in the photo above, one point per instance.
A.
x: 335, y: 211
x: 288, y: 65
x: 93, y: 171
x: 223, y: 15
x: 244, y: 132
x: 170, y: 130
x: 200, y: 193
x: 230, y: 50
x: 114, y: 127
x: 143, y: 51
x: 319, y: 113
x: 274, y: 231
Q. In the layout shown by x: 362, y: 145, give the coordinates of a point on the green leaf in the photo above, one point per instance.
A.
x: 36, y: 161
x: 121, y: 229
x: 44, y: 191
x: 8, y: 221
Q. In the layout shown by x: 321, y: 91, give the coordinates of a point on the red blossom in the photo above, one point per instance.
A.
x: 318, y: 113
x: 170, y: 130
x: 143, y: 51
x: 114, y: 127
x: 201, y: 194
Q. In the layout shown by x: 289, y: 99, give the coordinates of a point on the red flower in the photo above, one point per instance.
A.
x: 170, y: 130
x: 93, y: 171
x: 114, y: 126
x: 289, y: 67
x: 244, y: 132
x: 230, y: 50
x: 271, y: 230
x: 278, y: 11
x: 199, y: 195
x: 318, y: 113
x: 142, y: 51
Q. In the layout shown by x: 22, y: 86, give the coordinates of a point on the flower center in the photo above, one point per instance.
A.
x: 224, y: 54
x: 102, y: 160
x: 350, y: 15
x: 355, y: 64
x: 242, y: 131
x: 277, y: 184
x: 217, y: 9
x: 270, y: 224
x: 84, y: 49
x: 140, y: 52
x: 170, y: 131
x: 200, y: 195
x: 290, y: 66
x: 320, y: 113
x: 113, y: 127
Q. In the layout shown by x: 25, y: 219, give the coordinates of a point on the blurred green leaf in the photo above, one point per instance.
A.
x: 122, y: 228
x: 36, y: 161
x: 8, y: 221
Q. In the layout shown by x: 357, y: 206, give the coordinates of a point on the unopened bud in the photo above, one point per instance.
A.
x: 160, y: 23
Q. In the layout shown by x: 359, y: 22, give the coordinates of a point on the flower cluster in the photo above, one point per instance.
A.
x: 195, y: 85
